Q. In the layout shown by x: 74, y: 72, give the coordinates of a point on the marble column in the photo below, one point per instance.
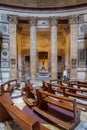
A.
x: 73, y: 47
x: 33, y: 60
x: 13, y: 46
x: 19, y: 55
x: 67, y: 51
x: 53, y: 48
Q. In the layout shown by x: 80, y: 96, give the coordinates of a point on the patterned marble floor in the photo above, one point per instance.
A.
x: 12, y: 125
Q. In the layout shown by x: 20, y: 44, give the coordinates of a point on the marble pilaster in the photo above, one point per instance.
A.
x: 33, y: 60
x: 73, y: 46
x: 53, y: 48
x: 13, y: 45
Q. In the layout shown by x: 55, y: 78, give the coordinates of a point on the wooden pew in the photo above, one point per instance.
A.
x: 0, y: 91
x: 5, y: 87
x: 10, y: 85
x: 29, y: 95
x: 76, y: 93
x: 60, y: 102
x: 4, y: 115
x: 14, y: 83
x: 26, y: 122
x: 64, y: 82
x: 48, y: 87
x: 69, y: 92
x: 79, y: 85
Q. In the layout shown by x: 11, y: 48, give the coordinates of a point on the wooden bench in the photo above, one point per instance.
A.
x: 3, y: 114
x: 64, y: 82
x: 79, y: 94
x: 60, y: 102
x: 10, y: 85
x: 69, y: 92
x: 48, y: 87
x: 0, y: 91
x: 5, y: 87
x: 14, y: 83
x: 26, y: 122
x: 78, y: 85
x: 29, y: 93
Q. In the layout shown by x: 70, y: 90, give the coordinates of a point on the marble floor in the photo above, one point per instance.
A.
x: 18, y: 100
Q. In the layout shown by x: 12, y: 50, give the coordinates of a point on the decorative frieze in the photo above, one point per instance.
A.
x: 73, y: 19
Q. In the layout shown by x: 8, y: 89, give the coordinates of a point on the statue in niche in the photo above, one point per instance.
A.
x: 43, y: 56
x: 43, y: 67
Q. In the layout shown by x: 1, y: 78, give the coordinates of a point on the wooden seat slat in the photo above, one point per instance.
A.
x: 56, y: 96
x: 59, y: 104
x: 76, y: 89
x: 53, y: 119
x: 76, y: 95
x: 79, y: 85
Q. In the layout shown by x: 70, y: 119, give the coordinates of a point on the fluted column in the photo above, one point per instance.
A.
x: 13, y: 46
x: 73, y: 46
x: 67, y: 51
x: 33, y: 48
x: 53, y: 48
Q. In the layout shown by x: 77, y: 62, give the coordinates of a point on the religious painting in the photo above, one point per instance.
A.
x: 82, y: 54
x: 82, y: 64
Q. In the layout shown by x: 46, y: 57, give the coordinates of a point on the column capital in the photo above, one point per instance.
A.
x: 53, y: 21
x: 32, y: 21
x: 73, y: 19
x: 12, y: 18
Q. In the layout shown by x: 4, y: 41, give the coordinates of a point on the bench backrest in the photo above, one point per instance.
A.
x: 70, y: 104
x: 9, y: 85
x: 29, y: 89
x: 14, y: 82
x: 71, y: 91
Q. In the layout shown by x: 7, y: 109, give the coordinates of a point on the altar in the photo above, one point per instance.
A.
x: 44, y: 73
